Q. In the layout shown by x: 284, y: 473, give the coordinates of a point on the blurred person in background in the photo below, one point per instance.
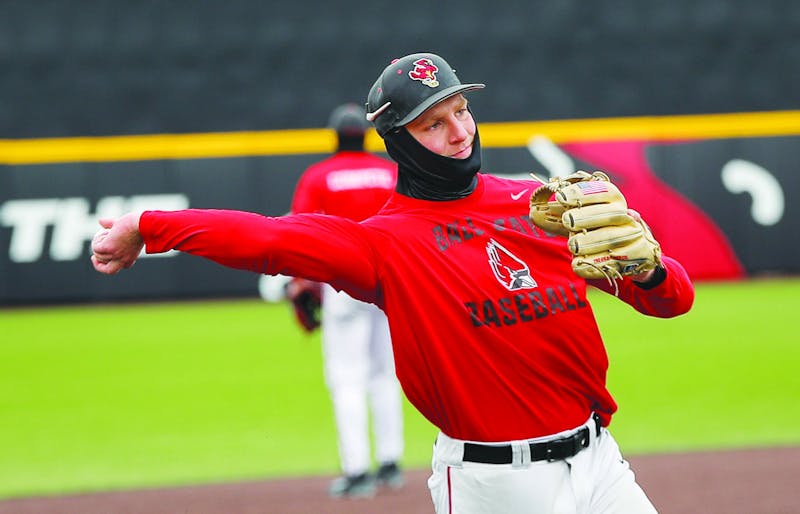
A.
x: 356, y: 345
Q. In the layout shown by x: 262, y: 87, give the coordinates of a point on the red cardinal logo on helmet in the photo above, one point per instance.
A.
x: 425, y: 71
x: 510, y: 270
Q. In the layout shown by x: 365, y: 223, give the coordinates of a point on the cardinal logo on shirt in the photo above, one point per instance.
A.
x: 509, y: 269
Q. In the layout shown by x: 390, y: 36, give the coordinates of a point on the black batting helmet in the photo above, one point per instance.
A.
x: 349, y: 120
x: 410, y: 85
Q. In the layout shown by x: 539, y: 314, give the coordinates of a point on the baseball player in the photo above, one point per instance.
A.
x: 357, y: 351
x: 494, y: 339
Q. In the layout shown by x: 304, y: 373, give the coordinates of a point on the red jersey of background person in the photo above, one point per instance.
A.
x: 350, y: 184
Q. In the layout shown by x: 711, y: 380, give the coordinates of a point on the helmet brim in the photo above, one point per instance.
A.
x: 432, y: 100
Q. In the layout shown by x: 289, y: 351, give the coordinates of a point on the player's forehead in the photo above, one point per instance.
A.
x: 441, y: 109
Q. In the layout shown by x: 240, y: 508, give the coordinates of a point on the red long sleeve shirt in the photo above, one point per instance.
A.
x: 494, y: 339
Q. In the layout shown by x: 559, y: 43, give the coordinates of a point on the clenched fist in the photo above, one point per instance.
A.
x: 117, y: 245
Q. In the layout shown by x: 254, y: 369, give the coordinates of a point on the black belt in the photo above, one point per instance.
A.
x: 557, y: 449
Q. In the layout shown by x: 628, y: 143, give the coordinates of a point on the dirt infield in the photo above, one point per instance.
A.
x: 764, y: 481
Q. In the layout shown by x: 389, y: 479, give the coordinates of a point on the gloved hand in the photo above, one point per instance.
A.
x: 306, y: 298
x: 607, y: 239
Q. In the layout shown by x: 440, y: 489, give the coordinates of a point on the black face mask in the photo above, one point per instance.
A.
x: 425, y: 175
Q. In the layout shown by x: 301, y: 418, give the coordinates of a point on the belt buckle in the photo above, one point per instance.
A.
x: 558, y: 444
x: 565, y: 447
x: 573, y: 443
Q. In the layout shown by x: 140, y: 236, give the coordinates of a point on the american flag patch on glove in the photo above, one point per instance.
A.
x: 593, y: 186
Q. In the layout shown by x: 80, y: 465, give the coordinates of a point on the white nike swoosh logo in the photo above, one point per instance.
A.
x: 517, y: 196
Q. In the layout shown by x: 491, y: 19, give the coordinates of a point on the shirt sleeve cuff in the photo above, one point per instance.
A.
x: 659, y: 275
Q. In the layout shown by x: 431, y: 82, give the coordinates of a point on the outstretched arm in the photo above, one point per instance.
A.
x: 322, y: 248
x: 118, y: 244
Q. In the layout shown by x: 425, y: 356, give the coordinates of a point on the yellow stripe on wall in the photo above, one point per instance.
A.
x: 654, y: 128
x: 309, y: 141
x: 166, y: 146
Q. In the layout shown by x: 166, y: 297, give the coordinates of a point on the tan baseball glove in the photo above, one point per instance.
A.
x: 606, y: 239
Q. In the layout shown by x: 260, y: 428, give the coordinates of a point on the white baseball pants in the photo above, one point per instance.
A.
x: 595, y: 481
x: 360, y: 374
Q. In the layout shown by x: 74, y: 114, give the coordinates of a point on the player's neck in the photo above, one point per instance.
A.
x: 427, y: 176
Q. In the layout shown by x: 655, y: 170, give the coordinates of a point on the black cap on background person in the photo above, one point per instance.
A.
x: 350, y: 123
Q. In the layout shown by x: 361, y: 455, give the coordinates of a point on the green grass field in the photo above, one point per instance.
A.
x: 113, y: 397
